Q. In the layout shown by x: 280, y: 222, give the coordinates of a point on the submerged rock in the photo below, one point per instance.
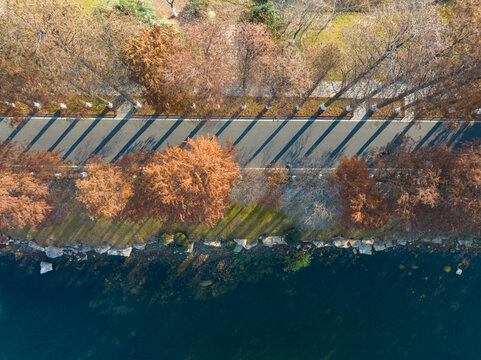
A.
x: 467, y: 243
x: 139, y: 246
x: 45, y: 267
x: 379, y: 247
x: 319, y: 243
x: 120, y: 252
x: 53, y: 252
x: 238, y: 248
x: 206, y: 283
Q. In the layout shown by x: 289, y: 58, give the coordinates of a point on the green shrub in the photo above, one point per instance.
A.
x: 164, y: 238
x: 200, y: 6
x: 297, y: 261
x: 230, y: 245
x: 181, y: 242
x: 293, y: 236
x: 140, y: 9
x: 267, y: 14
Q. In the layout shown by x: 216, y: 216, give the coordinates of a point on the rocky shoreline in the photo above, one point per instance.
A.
x: 79, y: 252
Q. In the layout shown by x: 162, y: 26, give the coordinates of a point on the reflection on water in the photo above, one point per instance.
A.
x: 396, y: 305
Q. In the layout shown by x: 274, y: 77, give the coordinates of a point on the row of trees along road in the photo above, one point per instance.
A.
x: 432, y: 188
x: 188, y: 184
x: 414, y: 50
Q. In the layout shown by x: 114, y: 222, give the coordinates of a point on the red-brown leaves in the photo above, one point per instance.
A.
x: 362, y: 205
x: 105, y: 191
x: 189, y: 184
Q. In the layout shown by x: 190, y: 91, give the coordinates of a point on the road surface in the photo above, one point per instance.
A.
x: 301, y: 142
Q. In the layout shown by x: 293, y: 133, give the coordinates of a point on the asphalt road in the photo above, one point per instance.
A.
x: 301, y: 142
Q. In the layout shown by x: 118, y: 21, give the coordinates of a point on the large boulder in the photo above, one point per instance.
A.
x: 343, y: 244
x: 355, y: 243
x: 273, y: 240
x: 246, y: 244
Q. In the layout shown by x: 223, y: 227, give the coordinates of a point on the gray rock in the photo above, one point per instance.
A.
x: 120, y: 252
x: 213, y: 243
x: 379, y: 247
x: 103, y: 248
x: 343, y: 244
x: 53, y: 252
x: 273, y: 240
x: 355, y: 243
x: 467, y: 243
x: 139, y: 246
x: 365, y: 249
x: 45, y: 267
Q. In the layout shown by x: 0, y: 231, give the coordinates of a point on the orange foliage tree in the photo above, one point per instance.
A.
x: 464, y: 193
x: 22, y: 200
x: 148, y: 55
x: 414, y: 183
x: 361, y: 203
x: 189, y: 184
x: 105, y: 191
x: 25, y: 179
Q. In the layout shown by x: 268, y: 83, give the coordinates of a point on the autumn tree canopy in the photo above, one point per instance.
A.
x: 105, y: 191
x: 362, y: 205
x: 26, y: 179
x: 189, y: 184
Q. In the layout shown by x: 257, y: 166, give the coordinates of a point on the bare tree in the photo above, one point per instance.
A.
x: 373, y: 43
x: 254, y: 51
x: 171, y: 3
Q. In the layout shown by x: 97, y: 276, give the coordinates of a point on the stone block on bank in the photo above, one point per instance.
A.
x: 319, y: 243
x: 355, y: 243
x: 379, y: 247
x: 53, y: 252
x: 216, y: 243
x: 365, y: 249
x: 273, y: 240
x: 35, y: 246
x: 343, y: 244
x: 103, y: 248
x: 120, y: 252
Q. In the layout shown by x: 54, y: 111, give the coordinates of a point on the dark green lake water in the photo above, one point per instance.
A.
x: 394, y: 305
